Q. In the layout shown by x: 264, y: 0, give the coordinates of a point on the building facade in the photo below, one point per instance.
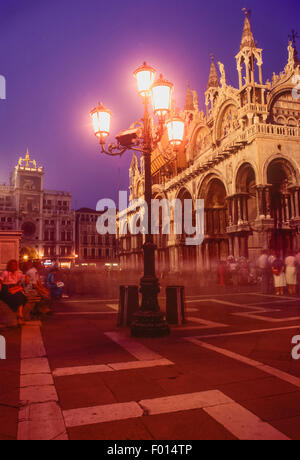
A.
x: 242, y: 156
x: 9, y: 246
x: 92, y: 248
x: 45, y: 217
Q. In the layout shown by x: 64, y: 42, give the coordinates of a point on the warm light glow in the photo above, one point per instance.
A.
x: 175, y: 128
x: 145, y: 78
x: 161, y: 97
x: 25, y: 257
x: 101, y: 118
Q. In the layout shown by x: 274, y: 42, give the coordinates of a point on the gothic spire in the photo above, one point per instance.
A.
x: 213, y: 79
x: 189, y: 103
x: 247, y: 37
x: 293, y: 38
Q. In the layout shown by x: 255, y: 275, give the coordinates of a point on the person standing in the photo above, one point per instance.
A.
x: 291, y: 273
x: 278, y: 268
x: 263, y: 265
x: 234, y: 271
x: 297, y: 257
x: 272, y: 259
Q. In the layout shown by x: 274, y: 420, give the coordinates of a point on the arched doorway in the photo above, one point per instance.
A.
x: 244, y: 211
x: 245, y: 186
x: 186, y: 254
x: 216, y: 244
x: 161, y: 240
x: 283, y: 202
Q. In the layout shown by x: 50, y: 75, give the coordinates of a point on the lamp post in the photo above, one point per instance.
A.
x: 149, y: 320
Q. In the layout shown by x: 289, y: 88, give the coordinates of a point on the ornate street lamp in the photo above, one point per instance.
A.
x: 162, y: 97
x: 175, y: 127
x: 101, y: 117
x: 145, y: 76
x: 149, y: 320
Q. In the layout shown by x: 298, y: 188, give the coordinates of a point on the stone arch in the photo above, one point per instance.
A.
x: 203, y: 183
x: 233, y: 124
x: 216, y: 245
x: 283, y: 108
x: 187, y: 255
x: 292, y: 122
x: 201, y: 140
x: 288, y: 166
x: 158, y: 192
x: 184, y: 190
x: 216, y: 193
x: 245, y: 186
x: 282, y: 179
x: 182, y: 195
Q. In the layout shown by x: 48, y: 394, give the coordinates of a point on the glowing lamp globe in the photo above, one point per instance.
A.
x: 175, y: 128
x: 145, y: 76
x: 101, y: 118
x: 161, y: 97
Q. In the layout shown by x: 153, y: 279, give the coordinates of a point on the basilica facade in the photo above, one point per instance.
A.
x: 242, y: 156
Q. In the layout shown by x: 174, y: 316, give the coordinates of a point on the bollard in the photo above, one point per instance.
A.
x: 128, y: 305
x: 175, y: 306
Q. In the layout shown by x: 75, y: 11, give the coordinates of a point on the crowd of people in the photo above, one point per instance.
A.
x: 236, y: 272
x: 275, y: 274
x: 278, y: 274
x: 31, y: 290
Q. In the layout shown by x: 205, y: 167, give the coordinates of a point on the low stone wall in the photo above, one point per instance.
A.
x: 96, y: 283
x: 7, y: 317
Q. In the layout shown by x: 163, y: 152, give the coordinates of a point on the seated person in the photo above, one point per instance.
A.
x: 11, y: 290
x: 55, y: 287
x: 39, y: 296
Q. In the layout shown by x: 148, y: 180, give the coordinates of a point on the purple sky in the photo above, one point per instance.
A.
x: 60, y: 57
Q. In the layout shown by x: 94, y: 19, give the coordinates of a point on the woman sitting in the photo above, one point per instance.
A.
x: 11, y: 291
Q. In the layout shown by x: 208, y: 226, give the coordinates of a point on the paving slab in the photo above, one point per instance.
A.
x: 83, y: 390
x: 276, y: 407
x: 121, y: 430
x: 193, y: 425
x: 132, y: 386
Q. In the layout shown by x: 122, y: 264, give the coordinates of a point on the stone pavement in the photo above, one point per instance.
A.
x: 226, y: 374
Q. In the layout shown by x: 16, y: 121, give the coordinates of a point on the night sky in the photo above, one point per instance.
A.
x: 60, y: 57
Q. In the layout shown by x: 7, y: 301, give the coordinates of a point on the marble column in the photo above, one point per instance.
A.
x: 286, y: 207
x: 229, y: 200
x: 295, y: 201
x: 268, y: 201
x: 259, y: 200
x: 239, y: 208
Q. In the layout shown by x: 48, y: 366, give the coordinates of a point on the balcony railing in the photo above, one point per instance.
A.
x: 270, y: 130
x: 230, y: 144
x: 256, y: 108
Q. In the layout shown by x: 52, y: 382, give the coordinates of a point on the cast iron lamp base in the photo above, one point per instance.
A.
x: 149, y: 320
x: 149, y: 324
